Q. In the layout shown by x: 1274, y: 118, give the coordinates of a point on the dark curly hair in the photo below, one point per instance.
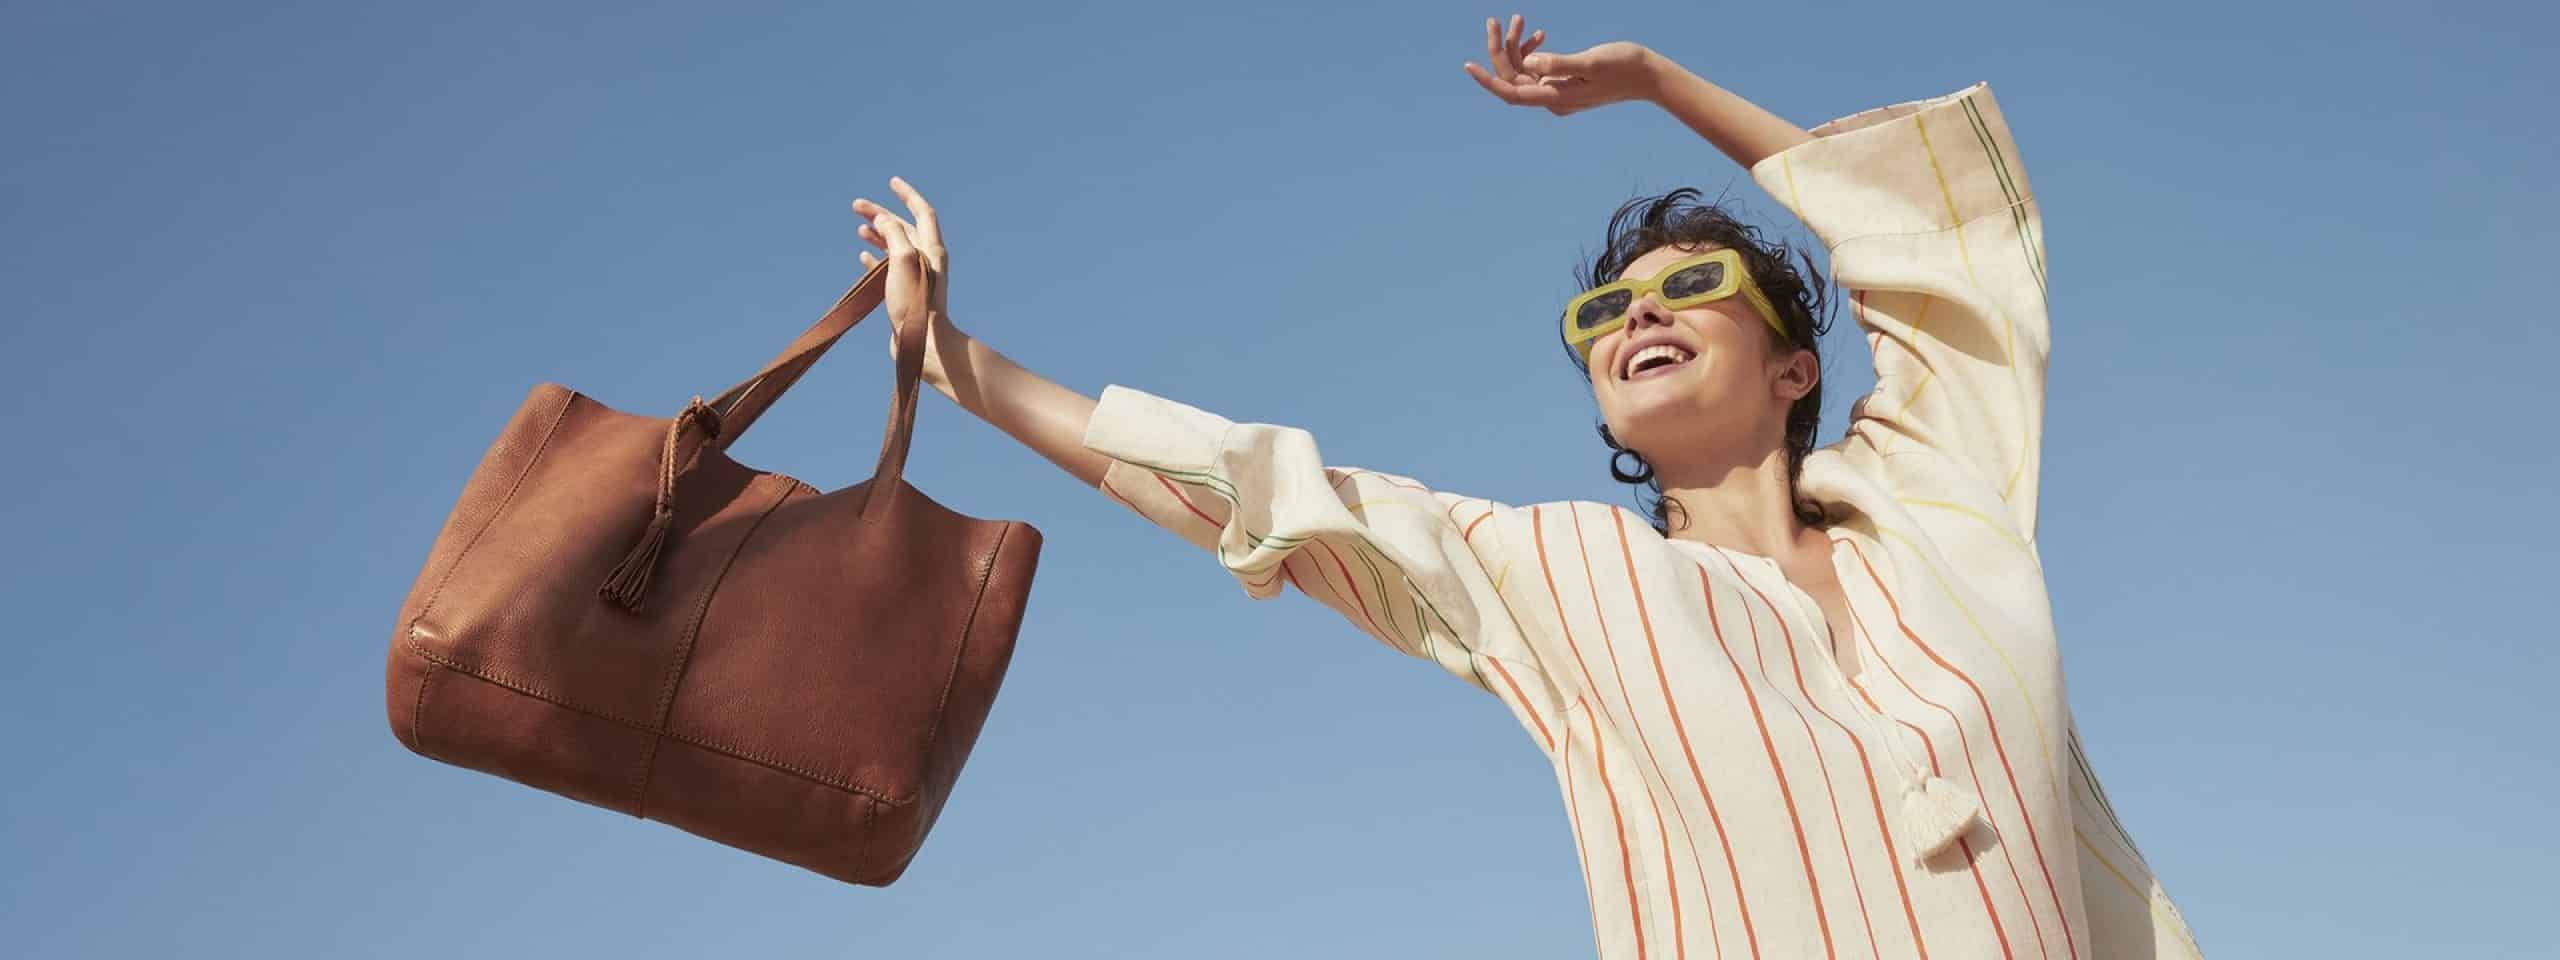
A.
x: 1684, y: 218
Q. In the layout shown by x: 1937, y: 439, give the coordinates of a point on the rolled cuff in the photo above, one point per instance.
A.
x: 1916, y: 167
x: 1151, y: 431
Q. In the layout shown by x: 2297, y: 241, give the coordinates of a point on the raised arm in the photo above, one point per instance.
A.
x: 1620, y: 72
x: 1938, y: 240
x: 1932, y: 231
x: 1418, y: 570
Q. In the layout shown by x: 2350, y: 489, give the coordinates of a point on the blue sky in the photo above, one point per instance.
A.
x: 273, y: 275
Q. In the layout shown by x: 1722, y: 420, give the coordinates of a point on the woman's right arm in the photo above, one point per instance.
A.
x: 1420, y: 571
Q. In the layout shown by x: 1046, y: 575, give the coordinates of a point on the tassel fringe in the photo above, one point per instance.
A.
x: 1938, y: 814
x: 629, y: 582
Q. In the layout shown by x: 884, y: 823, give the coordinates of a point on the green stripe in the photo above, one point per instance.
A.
x: 2081, y: 760
x: 1214, y: 483
x: 1385, y: 606
x: 2009, y: 189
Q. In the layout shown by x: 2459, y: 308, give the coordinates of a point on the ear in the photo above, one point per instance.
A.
x: 1797, y: 374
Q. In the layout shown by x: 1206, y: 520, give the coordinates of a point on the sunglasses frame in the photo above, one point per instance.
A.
x: 1736, y: 278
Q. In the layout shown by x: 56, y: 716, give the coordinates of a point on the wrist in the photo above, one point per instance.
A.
x: 1660, y: 75
x: 946, y: 351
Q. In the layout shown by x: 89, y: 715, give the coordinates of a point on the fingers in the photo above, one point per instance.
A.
x: 1553, y: 64
x: 871, y: 213
x: 1517, y: 45
x: 1521, y: 94
x: 1509, y: 50
x: 928, y: 229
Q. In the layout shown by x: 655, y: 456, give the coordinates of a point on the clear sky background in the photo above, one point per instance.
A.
x: 272, y: 276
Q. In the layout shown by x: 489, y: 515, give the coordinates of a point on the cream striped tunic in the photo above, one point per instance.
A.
x: 1734, y: 790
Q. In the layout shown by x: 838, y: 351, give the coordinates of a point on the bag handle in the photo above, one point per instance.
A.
x: 739, y: 406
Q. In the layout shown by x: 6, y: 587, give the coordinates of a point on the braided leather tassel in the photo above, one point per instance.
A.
x: 629, y: 583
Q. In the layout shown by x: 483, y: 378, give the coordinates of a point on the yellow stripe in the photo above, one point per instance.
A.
x: 2008, y: 329
x: 1928, y: 373
x: 1995, y: 525
x: 1794, y: 198
x: 2158, y: 918
x: 1921, y: 122
x: 1391, y: 502
x: 2035, y: 711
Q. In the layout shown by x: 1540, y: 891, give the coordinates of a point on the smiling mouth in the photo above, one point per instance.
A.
x: 1657, y: 360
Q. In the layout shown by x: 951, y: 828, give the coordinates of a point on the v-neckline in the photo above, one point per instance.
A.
x: 1808, y: 605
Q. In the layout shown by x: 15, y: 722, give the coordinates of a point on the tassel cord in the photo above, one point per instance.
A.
x: 628, y: 584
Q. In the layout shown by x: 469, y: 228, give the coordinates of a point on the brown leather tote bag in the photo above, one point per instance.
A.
x: 618, y: 613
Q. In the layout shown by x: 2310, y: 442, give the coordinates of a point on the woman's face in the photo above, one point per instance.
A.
x: 1732, y: 385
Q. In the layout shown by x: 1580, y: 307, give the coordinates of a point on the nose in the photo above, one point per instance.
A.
x: 1647, y: 312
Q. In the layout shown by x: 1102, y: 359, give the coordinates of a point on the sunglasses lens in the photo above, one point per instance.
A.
x: 1693, y: 281
x: 1598, y: 311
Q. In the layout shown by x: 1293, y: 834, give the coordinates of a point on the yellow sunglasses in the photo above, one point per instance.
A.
x: 1704, y: 278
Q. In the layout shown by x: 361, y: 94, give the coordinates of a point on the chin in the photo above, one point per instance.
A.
x: 1674, y: 417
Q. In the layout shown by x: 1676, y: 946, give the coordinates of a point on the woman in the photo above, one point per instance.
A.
x: 1813, y: 705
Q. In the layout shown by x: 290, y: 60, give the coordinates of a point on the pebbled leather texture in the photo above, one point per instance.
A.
x: 806, y: 671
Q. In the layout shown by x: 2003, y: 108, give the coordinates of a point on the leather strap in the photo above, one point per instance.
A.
x: 739, y: 406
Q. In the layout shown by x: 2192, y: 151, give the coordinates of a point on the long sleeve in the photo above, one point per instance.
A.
x: 1934, y: 234
x: 1417, y: 570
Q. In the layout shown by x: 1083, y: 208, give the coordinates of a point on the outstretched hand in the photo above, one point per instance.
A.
x: 919, y: 272
x: 1563, y: 83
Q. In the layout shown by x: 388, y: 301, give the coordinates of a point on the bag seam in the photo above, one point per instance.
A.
x: 950, y: 676
x: 684, y: 651
x: 503, y: 504
x: 418, y: 715
x: 530, y: 690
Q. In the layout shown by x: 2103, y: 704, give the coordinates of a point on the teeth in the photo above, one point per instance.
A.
x: 1676, y: 354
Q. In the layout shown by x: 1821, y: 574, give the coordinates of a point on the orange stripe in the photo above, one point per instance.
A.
x: 1688, y: 750
x: 1626, y: 700
x: 1993, y: 723
x: 1821, y: 764
x: 1470, y: 534
x: 1133, y: 505
x: 1524, y: 702
x: 1626, y: 855
x: 1333, y: 594
x: 1970, y: 864
x: 1644, y: 617
x: 1355, y: 590
x: 1679, y: 932
x: 1186, y: 501
x: 1804, y: 851
x: 1573, y: 810
x: 1538, y: 529
x: 1875, y: 797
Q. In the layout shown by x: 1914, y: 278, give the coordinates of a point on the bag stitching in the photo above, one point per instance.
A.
x: 546, y: 696
x: 870, y: 829
x: 418, y: 716
x: 536, y: 460
x: 986, y: 574
x: 684, y: 648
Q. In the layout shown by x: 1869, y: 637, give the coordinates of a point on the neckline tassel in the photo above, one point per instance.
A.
x: 1938, y: 813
